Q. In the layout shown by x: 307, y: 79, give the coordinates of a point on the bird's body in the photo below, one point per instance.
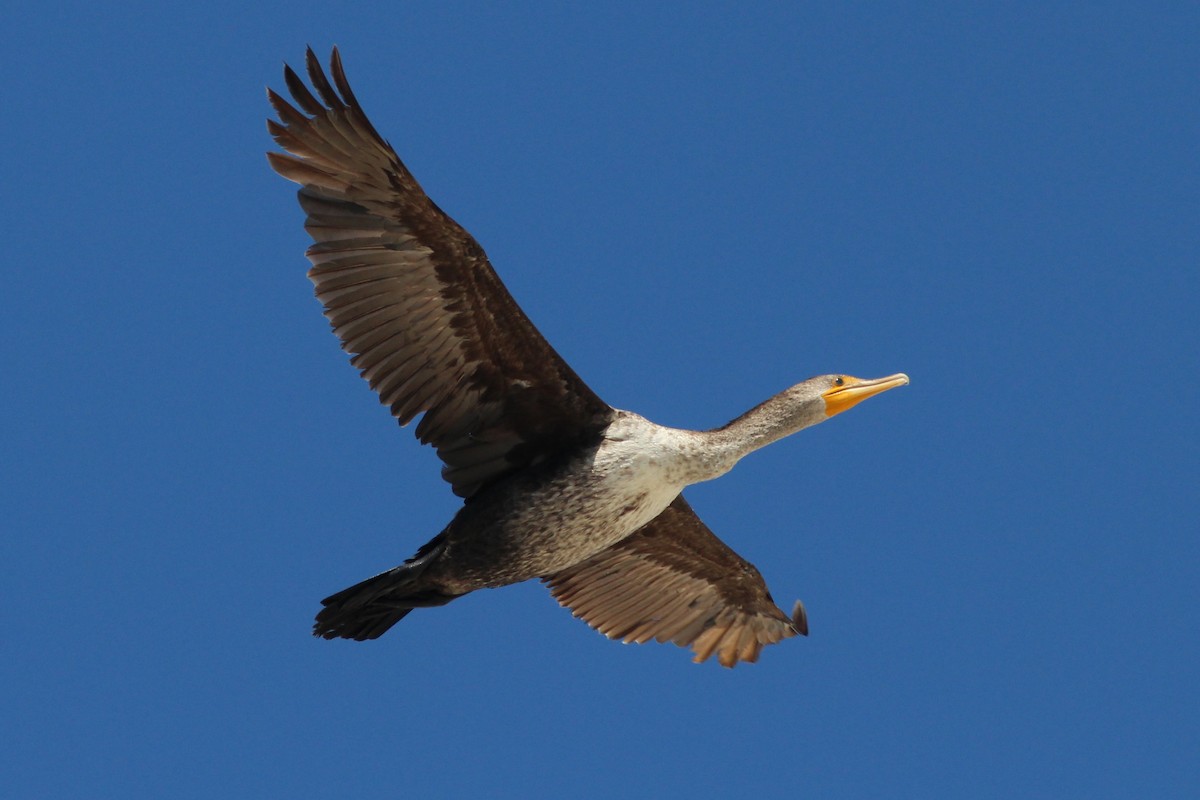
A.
x: 557, y: 484
x: 558, y: 514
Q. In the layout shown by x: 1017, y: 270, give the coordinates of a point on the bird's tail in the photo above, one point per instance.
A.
x: 367, y: 610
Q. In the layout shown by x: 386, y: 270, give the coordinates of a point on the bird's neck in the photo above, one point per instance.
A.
x: 694, y: 456
x: 762, y: 425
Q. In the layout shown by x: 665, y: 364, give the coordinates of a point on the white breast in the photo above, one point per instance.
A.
x: 648, y: 465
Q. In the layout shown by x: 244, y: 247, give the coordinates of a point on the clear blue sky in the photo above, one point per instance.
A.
x: 698, y: 207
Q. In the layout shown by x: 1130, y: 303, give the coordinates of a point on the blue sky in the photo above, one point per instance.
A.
x: 698, y: 206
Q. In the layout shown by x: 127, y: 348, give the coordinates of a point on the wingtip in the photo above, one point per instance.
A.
x: 800, y: 618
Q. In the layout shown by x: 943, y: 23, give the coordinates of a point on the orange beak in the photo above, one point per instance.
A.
x: 855, y: 390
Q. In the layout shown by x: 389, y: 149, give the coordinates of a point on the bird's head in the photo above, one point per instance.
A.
x: 808, y: 403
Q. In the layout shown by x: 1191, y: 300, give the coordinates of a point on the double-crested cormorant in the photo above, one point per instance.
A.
x: 557, y: 484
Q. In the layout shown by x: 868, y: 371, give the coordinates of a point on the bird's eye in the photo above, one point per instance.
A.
x: 839, y: 381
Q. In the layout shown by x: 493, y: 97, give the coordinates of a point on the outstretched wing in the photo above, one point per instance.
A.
x: 413, y: 299
x: 673, y: 580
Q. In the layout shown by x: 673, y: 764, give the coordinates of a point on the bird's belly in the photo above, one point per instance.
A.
x: 538, y: 528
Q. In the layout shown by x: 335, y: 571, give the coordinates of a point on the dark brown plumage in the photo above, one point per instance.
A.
x: 412, y: 296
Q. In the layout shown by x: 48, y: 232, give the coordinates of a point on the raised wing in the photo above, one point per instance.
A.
x: 413, y: 299
x: 673, y: 580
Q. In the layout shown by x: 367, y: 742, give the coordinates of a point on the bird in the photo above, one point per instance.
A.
x: 557, y: 485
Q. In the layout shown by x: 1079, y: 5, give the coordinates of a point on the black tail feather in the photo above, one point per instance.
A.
x: 368, y: 609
